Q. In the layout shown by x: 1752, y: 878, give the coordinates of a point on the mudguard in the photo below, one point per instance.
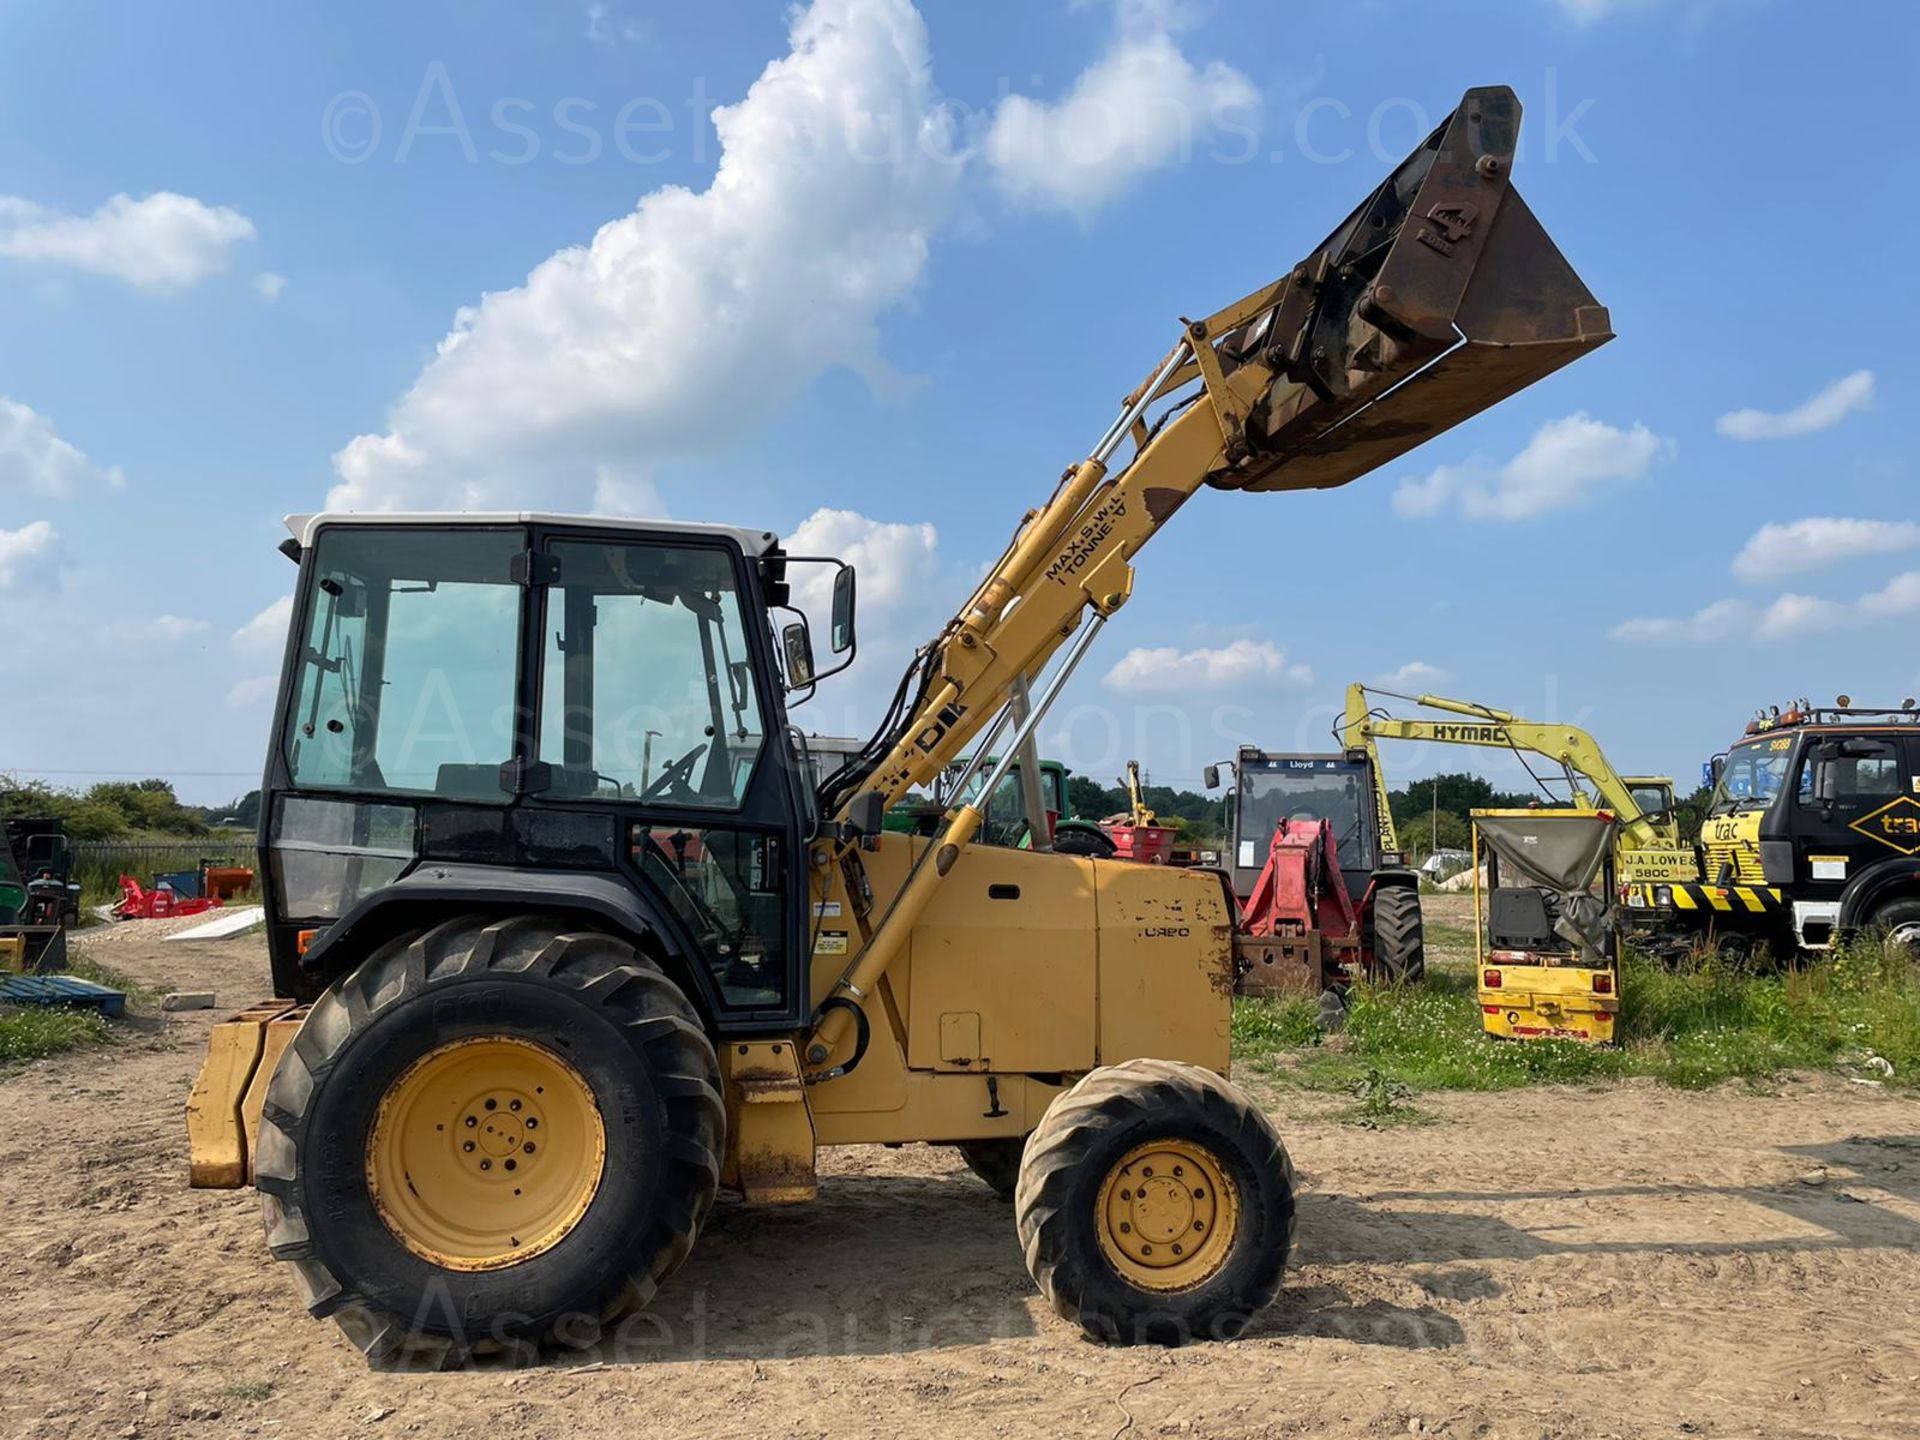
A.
x: 1876, y: 884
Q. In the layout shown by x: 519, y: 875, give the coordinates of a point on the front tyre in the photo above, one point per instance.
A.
x: 1156, y: 1204
x: 492, y: 1135
x: 1399, y: 936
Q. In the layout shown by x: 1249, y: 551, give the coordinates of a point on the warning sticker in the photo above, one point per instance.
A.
x: 827, y: 910
x: 831, y: 942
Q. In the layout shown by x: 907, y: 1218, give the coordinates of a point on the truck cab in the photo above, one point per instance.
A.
x: 1822, y: 806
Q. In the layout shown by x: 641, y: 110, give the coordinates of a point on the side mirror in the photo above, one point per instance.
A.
x: 1211, y: 777
x: 840, y: 637
x: 797, y: 641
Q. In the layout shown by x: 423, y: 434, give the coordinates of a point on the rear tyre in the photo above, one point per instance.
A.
x: 1156, y: 1204
x: 1399, y: 936
x: 995, y: 1161
x: 490, y: 1136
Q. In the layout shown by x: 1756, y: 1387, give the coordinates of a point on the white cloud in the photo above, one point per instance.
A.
x: 266, y: 632
x: 35, y: 458
x: 685, y: 321
x: 255, y: 690
x: 1714, y: 622
x: 1788, y: 616
x: 30, y: 558
x: 1169, y: 670
x: 269, y: 286
x: 607, y: 25
x: 173, y: 628
x: 1822, y: 412
x: 1792, y: 615
x: 1589, y: 12
x: 892, y: 561
x: 1777, y: 550
x: 163, y: 241
x: 1900, y: 596
x: 1142, y: 106
x: 1416, y: 676
x: 1565, y: 464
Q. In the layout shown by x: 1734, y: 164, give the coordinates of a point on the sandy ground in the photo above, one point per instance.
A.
x: 1621, y: 1262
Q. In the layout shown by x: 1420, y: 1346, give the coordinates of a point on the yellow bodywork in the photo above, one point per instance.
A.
x: 1547, y: 1002
x: 1024, y: 964
x: 1733, y: 841
x: 1525, y: 996
x: 13, y: 953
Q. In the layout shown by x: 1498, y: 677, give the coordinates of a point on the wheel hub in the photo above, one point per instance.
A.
x: 485, y: 1152
x: 1167, y: 1215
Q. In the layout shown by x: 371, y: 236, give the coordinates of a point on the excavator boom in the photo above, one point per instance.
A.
x: 1653, y: 840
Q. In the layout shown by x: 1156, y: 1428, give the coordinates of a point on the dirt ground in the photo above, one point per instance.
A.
x: 1628, y: 1261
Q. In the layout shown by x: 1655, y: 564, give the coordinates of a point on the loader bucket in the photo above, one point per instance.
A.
x: 1436, y: 299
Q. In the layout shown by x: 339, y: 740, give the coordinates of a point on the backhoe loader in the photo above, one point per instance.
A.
x: 535, y: 1007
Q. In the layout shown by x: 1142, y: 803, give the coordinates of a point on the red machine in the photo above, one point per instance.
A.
x: 1300, y: 929
x: 159, y: 903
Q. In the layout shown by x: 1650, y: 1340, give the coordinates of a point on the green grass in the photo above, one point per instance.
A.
x: 249, y: 1390
x: 33, y: 1032
x: 1689, y: 1028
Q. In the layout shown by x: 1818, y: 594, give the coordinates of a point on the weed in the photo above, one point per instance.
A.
x: 33, y: 1032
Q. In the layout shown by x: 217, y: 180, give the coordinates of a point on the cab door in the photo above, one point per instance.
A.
x: 658, y: 706
x: 1853, y: 804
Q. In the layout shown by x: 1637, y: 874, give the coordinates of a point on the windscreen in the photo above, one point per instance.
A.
x: 405, y: 670
x: 1752, y: 775
x: 1304, y: 789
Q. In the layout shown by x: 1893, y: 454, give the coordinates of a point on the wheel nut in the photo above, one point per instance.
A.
x: 532, y: 1124
x: 1126, y: 1194
x: 528, y: 1148
x: 513, y: 1105
x: 1146, y: 1249
x: 1125, y: 1228
x: 468, y: 1147
x: 492, y: 1104
x: 1179, y: 1170
x: 1176, y: 1248
x: 472, y: 1120
x: 1199, y: 1193
x: 486, y: 1164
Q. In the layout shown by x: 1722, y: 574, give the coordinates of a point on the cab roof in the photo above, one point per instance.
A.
x: 304, y: 527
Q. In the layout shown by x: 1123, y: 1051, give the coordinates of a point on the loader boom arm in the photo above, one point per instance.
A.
x: 1438, y: 297
x: 1568, y: 746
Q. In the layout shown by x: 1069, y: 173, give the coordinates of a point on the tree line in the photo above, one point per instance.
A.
x: 121, y: 809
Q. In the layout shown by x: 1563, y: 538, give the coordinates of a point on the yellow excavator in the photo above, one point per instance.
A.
x: 538, y: 1002
x: 1648, y: 849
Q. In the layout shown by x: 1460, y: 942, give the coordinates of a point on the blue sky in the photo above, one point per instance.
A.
x: 252, y: 257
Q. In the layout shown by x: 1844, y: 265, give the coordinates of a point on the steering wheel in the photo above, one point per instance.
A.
x: 677, y: 778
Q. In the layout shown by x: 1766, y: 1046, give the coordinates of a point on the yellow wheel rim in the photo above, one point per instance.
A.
x: 1168, y: 1214
x: 485, y: 1152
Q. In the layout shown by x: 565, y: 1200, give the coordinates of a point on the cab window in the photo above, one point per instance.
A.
x: 1850, y: 769
x: 647, y: 687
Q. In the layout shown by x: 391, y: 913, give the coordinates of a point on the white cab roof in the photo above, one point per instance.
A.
x: 303, y: 527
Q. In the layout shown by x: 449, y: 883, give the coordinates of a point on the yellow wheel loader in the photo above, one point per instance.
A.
x: 540, y: 1001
